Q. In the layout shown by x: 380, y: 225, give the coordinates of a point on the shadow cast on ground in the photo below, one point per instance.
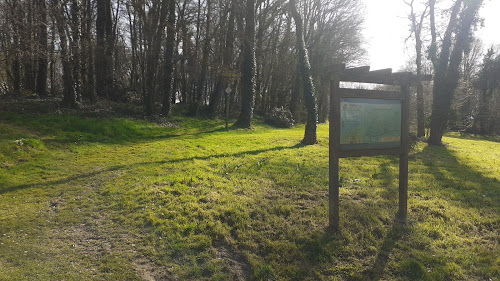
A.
x: 13, y: 188
x: 461, y: 182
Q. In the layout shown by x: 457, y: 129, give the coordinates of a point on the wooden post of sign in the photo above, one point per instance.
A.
x: 333, y: 188
x: 403, y: 157
x: 227, y: 91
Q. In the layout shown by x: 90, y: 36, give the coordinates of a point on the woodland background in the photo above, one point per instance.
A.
x: 156, y: 54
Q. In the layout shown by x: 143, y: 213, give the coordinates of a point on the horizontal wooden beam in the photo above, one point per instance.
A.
x: 369, y: 94
x: 382, y: 72
x: 357, y: 70
x: 422, y: 77
x: 369, y: 152
x: 362, y: 74
x: 367, y: 79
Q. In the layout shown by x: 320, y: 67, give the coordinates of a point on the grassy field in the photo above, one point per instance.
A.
x: 122, y: 199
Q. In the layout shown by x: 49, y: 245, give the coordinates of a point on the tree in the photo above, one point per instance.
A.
x: 42, y: 54
x: 204, y: 65
x: 75, y: 47
x: 154, y: 21
x: 104, y: 49
x: 248, y: 69
x: 306, y: 79
x: 87, y: 49
x: 69, y: 93
x: 169, y: 59
x: 192, y: 47
x: 227, y: 48
x: 447, y: 67
x: 416, y: 30
x: 488, y: 81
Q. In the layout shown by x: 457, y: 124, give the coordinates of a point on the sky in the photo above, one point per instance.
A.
x: 387, y: 27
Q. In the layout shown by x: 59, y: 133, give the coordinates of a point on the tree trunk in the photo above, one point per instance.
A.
x: 16, y: 73
x: 295, y: 96
x: 16, y: 52
x: 103, y: 59
x: 41, y: 79
x: 444, y: 95
x: 307, y: 83
x: 133, y: 46
x: 75, y: 47
x: 440, y: 66
x: 248, y: 69
x: 52, y: 56
x: 69, y: 95
x: 169, y: 63
x: 227, y: 60
x: 28, y: 44
x: 153, y: 32
x: 204, y: 65
x: 88, y: 75
x: 417, y: 29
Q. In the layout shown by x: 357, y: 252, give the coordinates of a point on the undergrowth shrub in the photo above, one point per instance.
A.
x: 412, y: 141
x: 279, y: 117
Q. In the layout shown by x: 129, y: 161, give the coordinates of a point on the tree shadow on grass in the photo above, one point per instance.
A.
x: 388, y: 176
x: 327, y: 248
x: 331, y: 253
x: 473, y: 137
x: 459, y: 182
x: 69, y: 179
x: 376, y: 271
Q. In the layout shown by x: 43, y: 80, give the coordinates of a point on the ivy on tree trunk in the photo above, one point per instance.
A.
x: 248, y: 70
x: 307, y: 83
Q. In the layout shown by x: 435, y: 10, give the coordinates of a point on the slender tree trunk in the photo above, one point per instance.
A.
x: 88, y: 74
x: 169, y: 62
x: 16, y: 73
x: 483, y: 111
x: 69, y: 94
x: 248, y: 69
x: 109, y: 53
x: 200, y: 88
x: 41, y: 80
x: 28, y: 43
x: 52, y: 65
x: 103, y: 54
x: 259, y: 63
x: 75, y: 48
x: 16, y: 52
x: 295, y: 96
x: 154, y: 26
x: 227, y: 60
x: 133, y: 45
x: 417, y: 29
x: 307, y: 83
x: 184, y: 62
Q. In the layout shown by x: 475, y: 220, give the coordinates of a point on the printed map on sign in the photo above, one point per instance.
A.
x: 369, y: 123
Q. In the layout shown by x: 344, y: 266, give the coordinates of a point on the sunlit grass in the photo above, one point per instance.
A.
x: 122, y: 199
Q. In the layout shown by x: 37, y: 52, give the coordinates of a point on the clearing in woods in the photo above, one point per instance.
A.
x: 121, y: 199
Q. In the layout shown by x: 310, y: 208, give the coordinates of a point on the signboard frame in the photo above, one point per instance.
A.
x: 363, y: 75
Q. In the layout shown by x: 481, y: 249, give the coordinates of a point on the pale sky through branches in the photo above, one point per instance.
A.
x: 387, y: 27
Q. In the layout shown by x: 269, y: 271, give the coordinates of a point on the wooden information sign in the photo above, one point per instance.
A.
x: 369, y: 123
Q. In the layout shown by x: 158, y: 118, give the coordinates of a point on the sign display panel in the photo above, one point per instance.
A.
x: 369, y: 124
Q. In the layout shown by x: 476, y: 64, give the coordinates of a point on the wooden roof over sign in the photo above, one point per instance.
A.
x: 363, y: 74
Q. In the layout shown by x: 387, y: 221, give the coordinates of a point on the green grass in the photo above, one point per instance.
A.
x: 122, y: 199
